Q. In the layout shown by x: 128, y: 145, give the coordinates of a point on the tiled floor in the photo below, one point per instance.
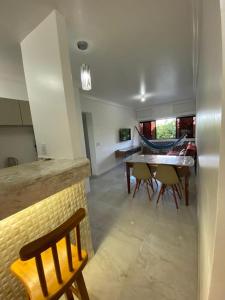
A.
x: 143, y: 252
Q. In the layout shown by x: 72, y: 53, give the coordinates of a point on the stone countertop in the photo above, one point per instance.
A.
x: 24, y: 185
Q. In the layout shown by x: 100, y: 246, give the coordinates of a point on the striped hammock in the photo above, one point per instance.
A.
x: 164, y: 146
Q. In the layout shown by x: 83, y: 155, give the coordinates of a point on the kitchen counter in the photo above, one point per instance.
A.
x: 24, y: 185
x: 35, y: 198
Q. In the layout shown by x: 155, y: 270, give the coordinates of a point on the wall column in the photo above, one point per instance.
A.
x: 55, y: 107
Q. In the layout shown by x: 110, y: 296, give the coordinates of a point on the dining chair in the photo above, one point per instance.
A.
x: 142, y: 172
x: 50, y: 266
x: 167, y: 175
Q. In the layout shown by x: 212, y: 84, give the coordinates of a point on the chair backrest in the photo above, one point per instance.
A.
x: 35, y: 248
x: 141, y: 171
x: 167, y: 174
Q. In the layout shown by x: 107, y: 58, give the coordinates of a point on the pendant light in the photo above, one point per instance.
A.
x: 85, y: 75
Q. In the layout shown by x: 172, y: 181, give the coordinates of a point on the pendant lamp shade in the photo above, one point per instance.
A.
x: 85, y: 77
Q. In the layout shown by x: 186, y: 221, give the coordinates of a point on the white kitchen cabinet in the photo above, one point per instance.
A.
x: 10, y: 112
x: 14, y: 113
x: 25, y: 113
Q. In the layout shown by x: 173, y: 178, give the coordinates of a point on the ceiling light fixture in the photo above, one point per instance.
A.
x: 143, y: 98
x: 85, y: 75
x: 82, y: 45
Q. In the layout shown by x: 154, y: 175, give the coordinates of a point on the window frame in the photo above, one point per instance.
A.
x: 176, y: 133
x: 193, y: 125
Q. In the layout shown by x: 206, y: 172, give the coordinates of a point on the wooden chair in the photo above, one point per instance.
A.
x: 167, y: 175
x: 142, y: 172
x: 49, y: 266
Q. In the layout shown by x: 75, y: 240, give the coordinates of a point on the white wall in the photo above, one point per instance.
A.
x: 107, y: 118
x: 17, y: 141
x: 217, y: 290
x: 12, y: 80
x: 211, y: 150
x: 175, y: 109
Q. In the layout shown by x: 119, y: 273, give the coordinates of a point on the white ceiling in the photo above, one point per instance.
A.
x: 134, y: 46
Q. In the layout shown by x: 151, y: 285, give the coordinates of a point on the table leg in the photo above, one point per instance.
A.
x: 186, y: 187
x: 128, y: 177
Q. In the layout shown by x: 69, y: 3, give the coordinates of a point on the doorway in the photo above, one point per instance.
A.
x: 89, y: 140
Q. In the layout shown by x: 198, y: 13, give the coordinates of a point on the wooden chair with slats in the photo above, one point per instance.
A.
x: 52, y: 266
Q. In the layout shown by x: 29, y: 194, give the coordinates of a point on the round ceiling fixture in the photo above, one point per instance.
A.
x: 82, y: 45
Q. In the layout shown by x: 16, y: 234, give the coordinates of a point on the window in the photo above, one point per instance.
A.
x: 148, y: 129
x: 170, y: 128
x: 166, y: 129
x: 186, y: 125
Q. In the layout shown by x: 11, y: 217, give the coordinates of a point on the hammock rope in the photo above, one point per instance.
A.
x: 164, y: 146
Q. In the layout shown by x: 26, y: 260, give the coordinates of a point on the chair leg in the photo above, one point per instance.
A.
x: 163, y: 189
x: 69, y: 295
x: 139, y: 183
x: 136, y: 187
x: 82, y: 287
x: 174, y: 195
x: 160, y: 193
x: 180, y: 188
x: 146, y: 184
x: 151, y: 184
x: 181, y: 183
x: 177, y: 190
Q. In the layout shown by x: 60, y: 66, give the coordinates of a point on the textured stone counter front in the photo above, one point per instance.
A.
x: 23, y: 185
x: 37, y: 198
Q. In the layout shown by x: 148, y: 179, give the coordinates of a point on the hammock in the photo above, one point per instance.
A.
x: 164, y: 146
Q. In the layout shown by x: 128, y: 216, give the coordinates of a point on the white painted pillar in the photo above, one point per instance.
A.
x: 55, y: 107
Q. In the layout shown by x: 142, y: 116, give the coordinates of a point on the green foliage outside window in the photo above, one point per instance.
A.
x: 166, y: 129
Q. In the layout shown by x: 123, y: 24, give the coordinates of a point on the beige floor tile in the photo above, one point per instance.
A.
x: 143, y: 251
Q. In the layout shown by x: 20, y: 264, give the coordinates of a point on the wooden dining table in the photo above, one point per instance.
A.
x: 184, y: 162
